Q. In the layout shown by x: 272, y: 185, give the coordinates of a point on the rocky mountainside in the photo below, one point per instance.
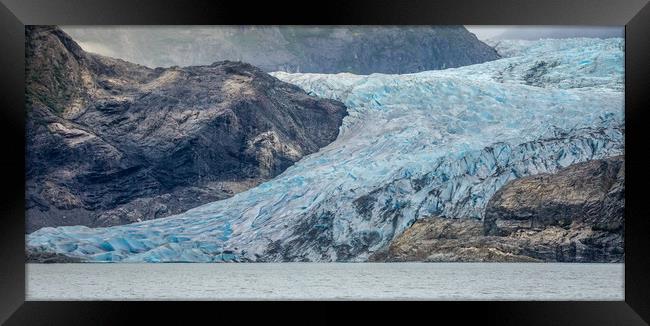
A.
x: 584, y: 193
x: 110, y: 142
x: 574, y: 215
x: 354, y: 49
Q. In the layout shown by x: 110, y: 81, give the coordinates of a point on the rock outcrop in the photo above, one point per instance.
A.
x: 590, y: 193
x: 110, y: 142
x: 330, y: 49
x: 44, y: 257
x: 437, y: 239
x: 574, y: 215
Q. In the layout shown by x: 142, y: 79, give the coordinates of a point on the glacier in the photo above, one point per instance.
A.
x: 414, y: 145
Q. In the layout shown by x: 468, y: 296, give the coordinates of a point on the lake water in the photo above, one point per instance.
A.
x: 326, y: 281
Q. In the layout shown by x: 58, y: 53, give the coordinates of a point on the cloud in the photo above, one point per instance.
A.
x: 96, y: 47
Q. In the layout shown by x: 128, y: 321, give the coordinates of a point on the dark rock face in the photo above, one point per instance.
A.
x: 44, y: 257
x: 574, y: 215
x: 590, y: 193
x: 110, y: 142
x: 354, y: 49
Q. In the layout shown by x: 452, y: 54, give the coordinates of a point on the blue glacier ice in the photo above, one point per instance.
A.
x: 415, y: 145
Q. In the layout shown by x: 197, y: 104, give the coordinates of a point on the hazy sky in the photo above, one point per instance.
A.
x: 486, y: 32
x: 537, y: 32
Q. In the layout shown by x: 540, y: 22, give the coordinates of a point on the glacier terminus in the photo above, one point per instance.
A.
x: 434, y: 143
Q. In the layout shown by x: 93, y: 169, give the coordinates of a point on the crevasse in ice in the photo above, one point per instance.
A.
x: 431, y: 143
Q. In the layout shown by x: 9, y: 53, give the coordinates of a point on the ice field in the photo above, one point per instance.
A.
x: 415, y: 145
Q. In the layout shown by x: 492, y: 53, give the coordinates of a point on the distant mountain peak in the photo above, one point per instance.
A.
x: 331, y: 49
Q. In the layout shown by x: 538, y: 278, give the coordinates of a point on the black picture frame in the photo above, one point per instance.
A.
x: 633, y: 14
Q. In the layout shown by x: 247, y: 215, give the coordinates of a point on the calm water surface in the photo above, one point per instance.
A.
x: 329, y: 281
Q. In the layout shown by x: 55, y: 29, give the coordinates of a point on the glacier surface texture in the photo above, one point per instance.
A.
x: 416, y: 145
